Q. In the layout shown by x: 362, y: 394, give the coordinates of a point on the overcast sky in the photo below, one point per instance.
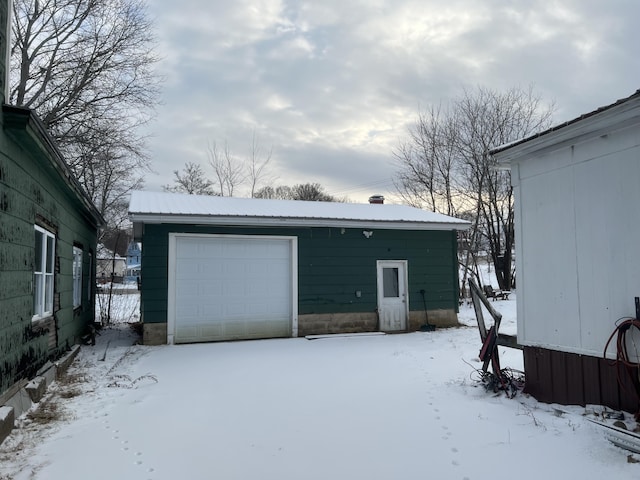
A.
x: 330, y: 86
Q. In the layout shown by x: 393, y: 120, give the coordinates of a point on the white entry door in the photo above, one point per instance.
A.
x: 392, y: 295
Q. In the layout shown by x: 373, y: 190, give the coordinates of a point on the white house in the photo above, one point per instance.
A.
x: 577, y: 198
x: 134, y: 260
x: 109, y: 264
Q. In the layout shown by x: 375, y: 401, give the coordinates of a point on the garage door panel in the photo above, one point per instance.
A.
x: 187, y: 268
x: 232, y: 288
x: 232, y: 330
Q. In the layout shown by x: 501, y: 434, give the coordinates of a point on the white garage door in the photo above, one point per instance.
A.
x: 229, y: 288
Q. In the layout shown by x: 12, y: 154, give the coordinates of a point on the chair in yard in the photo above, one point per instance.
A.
x: 489, y: 292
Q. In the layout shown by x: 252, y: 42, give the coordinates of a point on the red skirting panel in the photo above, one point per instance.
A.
x: 570, y: 379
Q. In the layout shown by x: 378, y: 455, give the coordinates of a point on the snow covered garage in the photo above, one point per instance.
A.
x: 220, y: 268
x: 577, y: 191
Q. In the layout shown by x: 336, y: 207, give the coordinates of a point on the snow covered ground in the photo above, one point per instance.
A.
x: 403, y: 406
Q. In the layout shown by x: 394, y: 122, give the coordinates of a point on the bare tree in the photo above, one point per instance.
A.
x: 445, y: 165
x: 191, y: 180
x: 313, y: 192
x: 428, y: 160
x: 108, y: 176
x: 233, y: 171
x: 86, y: 68
x: 229, y: 172
x: 283, y: 192
x: 256, y: 164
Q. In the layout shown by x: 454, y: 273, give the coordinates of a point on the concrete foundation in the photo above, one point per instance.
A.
x: 154, y: 334
x: 327, y: 323
x: 63, y: 363
x: 7, y: 419
x: 438, y: 318
x: 23, y: 394
x: 20, y: 401
x: 330, y: 323
x: 36, y: 388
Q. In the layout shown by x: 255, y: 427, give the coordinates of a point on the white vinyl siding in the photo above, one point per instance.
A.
x: 43, y: 273
x: 577, y: 263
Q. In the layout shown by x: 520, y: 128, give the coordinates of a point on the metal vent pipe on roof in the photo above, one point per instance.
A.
x: 376, y: 199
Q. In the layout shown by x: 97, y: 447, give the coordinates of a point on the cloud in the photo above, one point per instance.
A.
x: 331, y: 86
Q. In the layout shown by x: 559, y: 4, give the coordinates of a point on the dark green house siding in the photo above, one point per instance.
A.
x: 33, y: 191
x: 333, y: 263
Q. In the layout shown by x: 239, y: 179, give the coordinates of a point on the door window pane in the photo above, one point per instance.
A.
x: 390, y: 282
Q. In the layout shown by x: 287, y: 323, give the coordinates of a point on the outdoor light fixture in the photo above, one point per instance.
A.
x: 367, y: 233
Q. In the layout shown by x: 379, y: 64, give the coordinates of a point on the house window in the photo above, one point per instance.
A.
x: 43, y: 273
x: 77, y: 277
x: 90, y: 278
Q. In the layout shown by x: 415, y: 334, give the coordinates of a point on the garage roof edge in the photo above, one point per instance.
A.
x: 294, y: 222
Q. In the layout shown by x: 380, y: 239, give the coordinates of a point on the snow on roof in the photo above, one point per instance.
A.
x: 155, y: 207
x: 103, y: 253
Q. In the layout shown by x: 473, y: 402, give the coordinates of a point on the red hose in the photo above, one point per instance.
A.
x: 622, y: 356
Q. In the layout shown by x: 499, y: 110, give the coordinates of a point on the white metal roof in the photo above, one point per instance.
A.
x: 103, y: 253
x: 620, y: 114
x: 156, y: 207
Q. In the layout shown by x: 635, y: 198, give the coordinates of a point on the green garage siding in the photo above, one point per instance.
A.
x: 332, y: 266
x: 333, y: 263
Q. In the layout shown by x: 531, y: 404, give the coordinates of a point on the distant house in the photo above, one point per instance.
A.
x: 47, y: 248
x: 577, y: 192
x: 219, y: 268
x: 134, y: 258
x: 109, y: 264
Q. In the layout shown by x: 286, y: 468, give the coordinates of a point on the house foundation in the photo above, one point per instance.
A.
x: 154, y: 333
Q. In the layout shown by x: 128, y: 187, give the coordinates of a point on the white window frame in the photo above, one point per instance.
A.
x: 77, y: 277
x: 90, y: 276
x: 43, y: 274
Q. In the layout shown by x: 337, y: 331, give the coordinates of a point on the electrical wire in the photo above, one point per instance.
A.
x: 508, y: 380
x: 623, y: 359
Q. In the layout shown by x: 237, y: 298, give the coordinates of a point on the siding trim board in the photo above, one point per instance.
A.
x: 287, y: 222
